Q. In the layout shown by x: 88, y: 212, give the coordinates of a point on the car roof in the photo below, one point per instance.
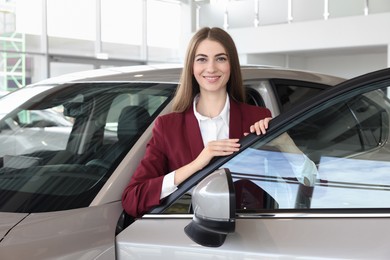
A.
x: 170, y: 73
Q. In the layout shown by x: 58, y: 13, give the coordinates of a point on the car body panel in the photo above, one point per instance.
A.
x: 293, y: 236
x: 170, y: 73
x: 9, y: 220
x: 38, y: 234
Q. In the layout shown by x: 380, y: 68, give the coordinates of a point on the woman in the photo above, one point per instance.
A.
x: 209, y: 118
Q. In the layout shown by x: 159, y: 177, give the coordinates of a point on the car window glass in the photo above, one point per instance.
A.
x: 253, y: 97
x: 61, y: 146
x: 292, y: 93
x: 337, y: 158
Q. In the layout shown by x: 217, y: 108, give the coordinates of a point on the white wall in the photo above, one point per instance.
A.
x: 345, y: 47
x: 347, y: 66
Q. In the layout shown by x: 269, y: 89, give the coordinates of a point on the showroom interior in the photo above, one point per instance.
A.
x: 42, y: 39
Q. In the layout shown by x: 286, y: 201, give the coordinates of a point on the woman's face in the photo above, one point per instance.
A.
x: 211, y: 66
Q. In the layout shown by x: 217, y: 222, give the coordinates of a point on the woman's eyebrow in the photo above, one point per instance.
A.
x: 200, y: 54
x: 216, y: 55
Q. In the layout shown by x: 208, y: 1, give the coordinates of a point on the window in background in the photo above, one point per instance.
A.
x: 306, y: 10
x: 121, y: 28
x: 163, y: 30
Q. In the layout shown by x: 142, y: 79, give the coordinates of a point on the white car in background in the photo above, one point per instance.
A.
x: 65, y: 202
x: 3, y: 93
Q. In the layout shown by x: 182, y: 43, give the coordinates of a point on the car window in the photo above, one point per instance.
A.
x: 292, y: 93
x: 61, y: 146
x: 336, y: 158
x: 253, y: 97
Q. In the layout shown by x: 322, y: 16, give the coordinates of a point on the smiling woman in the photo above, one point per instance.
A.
x: 209, y: 96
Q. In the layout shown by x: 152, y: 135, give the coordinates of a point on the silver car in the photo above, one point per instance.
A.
x: 61, y: 185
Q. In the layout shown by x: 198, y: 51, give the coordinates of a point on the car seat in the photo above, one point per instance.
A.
x: 131, y: 122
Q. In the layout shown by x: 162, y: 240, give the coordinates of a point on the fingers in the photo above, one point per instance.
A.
x: 223, y: 147
x: 260, y: 127
x: 216, y: 148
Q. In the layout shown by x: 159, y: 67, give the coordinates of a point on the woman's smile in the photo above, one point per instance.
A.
x: 211, y: 66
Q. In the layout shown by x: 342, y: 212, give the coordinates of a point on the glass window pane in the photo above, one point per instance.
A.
x: 345, y: 8
x: 305, y: 10
x: 336, y: 158
x: 121, y: 28
x: 378, y: 6
x: 71, y: 19
x: 293, y: 93
x: 163, y: 30
x: 211, y: 15
x: 236, y: 9
x: 28, y: 17
x: 122, y: 21
x: 65, y: 141
x: 71, y: 27
x: 273, y: 12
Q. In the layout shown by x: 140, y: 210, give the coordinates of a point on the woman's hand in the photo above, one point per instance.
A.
x: 260, y: 127
x: 214, y: 148
x: 222, y: 147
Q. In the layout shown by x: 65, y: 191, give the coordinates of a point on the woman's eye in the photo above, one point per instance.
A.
x: 221, y: 59
x: 201, y: 60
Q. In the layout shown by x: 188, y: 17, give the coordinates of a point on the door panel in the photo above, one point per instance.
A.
x: 261, y: 238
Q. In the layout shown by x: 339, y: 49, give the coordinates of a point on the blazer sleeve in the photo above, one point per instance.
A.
x: 248, y: 115
x: 252, y: 114
x: 144, y: 189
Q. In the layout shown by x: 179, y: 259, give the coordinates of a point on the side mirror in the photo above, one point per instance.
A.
x: 214, y: 204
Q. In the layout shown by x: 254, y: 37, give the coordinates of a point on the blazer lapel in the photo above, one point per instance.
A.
x: 194, y: 136
x: 235, y: 126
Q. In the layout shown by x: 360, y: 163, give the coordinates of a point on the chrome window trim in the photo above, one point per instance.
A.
x: 289, y: 215
x: 168, y: 216
x: 284, y: 215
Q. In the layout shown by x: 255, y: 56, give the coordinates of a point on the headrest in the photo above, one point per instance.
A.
x: 131, y: 120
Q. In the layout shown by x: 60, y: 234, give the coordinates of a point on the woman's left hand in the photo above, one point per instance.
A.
x: 260, y: 127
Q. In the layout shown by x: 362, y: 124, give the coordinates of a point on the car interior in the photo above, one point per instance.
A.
x: 67, y: 166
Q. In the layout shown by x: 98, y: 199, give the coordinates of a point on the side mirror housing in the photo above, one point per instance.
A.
x: 213, y: 201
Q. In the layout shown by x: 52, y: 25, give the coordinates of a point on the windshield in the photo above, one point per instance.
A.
x: 59, y: 145
x: 12, y: 100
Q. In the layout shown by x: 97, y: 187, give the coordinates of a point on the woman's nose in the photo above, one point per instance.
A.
x: 211, y: 66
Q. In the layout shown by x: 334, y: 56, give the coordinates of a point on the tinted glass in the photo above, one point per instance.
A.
x: 335, y: 158
x: 59, y: 148
x: 293, y: 93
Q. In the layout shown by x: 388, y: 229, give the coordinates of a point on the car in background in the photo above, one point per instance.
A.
x: 34, y: 130
x: 61, y: 181
x: 3, y: 93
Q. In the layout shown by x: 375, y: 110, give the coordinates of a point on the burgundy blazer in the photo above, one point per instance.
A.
x: 177, y: 141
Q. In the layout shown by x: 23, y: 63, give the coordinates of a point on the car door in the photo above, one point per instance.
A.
x: 317, y: 185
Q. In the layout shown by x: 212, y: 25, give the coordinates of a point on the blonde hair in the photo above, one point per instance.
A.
x: 188, y: 87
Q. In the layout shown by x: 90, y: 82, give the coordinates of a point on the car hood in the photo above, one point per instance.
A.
x: 8, y: 221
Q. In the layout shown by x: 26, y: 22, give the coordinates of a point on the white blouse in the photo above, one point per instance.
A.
x: 211, y: 129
